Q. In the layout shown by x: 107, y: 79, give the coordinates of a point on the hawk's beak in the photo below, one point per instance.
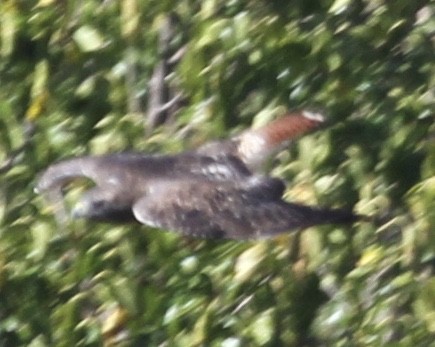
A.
x: 79, y: 210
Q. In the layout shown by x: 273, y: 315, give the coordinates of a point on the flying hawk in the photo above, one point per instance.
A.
x: 210, y: 192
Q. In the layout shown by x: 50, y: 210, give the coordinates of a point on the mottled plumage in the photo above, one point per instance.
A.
x: 211, y: 192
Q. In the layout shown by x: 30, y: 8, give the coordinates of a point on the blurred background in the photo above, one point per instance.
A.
x: 91, y: 77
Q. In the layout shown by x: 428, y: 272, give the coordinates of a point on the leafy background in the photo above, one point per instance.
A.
x: 75, y: 79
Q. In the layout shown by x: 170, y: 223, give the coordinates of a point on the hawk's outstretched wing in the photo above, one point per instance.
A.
x: 121, y: 179
x: 251, y: 209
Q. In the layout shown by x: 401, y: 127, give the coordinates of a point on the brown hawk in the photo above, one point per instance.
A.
x: 210, y: 192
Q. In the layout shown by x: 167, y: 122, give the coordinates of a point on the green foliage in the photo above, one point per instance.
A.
x: 70, y: 71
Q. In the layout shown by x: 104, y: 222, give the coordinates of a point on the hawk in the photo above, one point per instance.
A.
x: 212, y: 192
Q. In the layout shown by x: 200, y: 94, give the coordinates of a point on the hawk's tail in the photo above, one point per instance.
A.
x: 257, y: 144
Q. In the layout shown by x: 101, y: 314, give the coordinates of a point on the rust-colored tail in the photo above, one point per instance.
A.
x: 257, y: 144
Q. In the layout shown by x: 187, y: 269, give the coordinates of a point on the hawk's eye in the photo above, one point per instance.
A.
x: 99, y: 204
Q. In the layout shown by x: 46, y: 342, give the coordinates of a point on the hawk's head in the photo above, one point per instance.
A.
x: 103, y: 206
